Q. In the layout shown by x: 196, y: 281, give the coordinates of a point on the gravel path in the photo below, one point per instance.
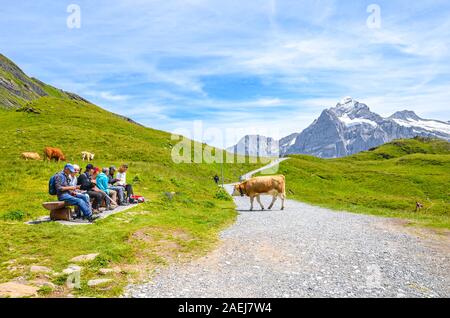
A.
x: 306, y: 251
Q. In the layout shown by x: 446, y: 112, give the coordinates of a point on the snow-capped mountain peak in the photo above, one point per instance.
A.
x: 352, y: 108
x: 410, y: 119
x: 405, y: 115
x: 350, y: 112
x: 346, y: 102
x: 348, y: 128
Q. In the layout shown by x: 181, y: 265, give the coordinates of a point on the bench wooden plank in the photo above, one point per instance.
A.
x: 55, y: 205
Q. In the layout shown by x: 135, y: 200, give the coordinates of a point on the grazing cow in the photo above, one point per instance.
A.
x: 254, y: 187
x: 87, y: 156
x: 54, y: 153
x: 31, y: 156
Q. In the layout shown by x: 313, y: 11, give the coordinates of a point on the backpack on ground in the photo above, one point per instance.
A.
x: 137, y: 199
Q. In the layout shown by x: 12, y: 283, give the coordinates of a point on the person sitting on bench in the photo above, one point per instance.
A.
x: 111, y: 180
x: 122, y: 181
x: 102, y: 184
x: 86, y: 184
x: 66, y: 192
x: 74, y: 182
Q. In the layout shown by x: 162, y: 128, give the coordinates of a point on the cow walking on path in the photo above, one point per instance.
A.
x: 254, y: 187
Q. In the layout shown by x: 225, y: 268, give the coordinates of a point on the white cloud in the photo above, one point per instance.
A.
x: 310, y: 52
x: 108, y: 96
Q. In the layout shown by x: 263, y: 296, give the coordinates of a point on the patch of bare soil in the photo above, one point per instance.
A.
x: 438, y: 239
x: 156, y: 247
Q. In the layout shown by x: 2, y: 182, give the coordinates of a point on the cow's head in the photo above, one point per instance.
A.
x: 62, y: 158
x: 92, y: 156
x: 238, y: 190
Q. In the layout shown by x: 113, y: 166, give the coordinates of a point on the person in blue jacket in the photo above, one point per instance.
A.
x: 102, y: 183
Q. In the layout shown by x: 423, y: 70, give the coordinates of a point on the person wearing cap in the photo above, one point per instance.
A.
x: 74, y: 176
x: 86, y: 183
x: 67, y: 192
x: 74, y: 182
x: 111, y: 179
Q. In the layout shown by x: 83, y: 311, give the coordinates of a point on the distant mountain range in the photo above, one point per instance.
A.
x: 343, y: 130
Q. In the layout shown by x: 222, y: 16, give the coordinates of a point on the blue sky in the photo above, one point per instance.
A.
x: 264, y: 66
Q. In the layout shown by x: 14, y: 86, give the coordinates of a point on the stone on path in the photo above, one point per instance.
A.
x: 72, y: 269
x: 16, y: 290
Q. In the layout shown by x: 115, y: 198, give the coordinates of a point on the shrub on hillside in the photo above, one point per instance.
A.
x: 221, y: 194
x: 14, y: 215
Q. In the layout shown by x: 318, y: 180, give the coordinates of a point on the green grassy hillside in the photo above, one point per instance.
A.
x: 17, y: 88
x: 140, y: 239
x: 385, y: 181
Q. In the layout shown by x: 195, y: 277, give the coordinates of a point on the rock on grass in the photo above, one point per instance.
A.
x: 84, y: 258
x: 16, y: 290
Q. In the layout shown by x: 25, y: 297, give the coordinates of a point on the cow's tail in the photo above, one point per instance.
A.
x: 284, y: 186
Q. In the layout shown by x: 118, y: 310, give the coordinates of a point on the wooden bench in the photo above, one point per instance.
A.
x: 59, y: 210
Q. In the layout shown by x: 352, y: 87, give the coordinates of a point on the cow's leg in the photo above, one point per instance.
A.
x: 251, y: 202
x: 258, y: 198
x: 282, y: 196
x: 274, y: 198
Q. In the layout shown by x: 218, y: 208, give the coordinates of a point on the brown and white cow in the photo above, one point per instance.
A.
x: 53, y: 153
x: 254, y: 187
x: 30, y: 156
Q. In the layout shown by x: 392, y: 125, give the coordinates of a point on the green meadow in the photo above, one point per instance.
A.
x: 160, y: 231
x: 385, y: 181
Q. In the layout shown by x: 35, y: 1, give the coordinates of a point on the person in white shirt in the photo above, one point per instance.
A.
x: 121, y: 178
x: 74, y: 182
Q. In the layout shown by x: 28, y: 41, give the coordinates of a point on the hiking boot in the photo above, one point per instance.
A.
x: 95, y: 211
x: 109, y: 208
x: 92, y: 218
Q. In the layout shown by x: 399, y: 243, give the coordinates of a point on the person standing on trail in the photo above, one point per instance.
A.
x: 216, y: 179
